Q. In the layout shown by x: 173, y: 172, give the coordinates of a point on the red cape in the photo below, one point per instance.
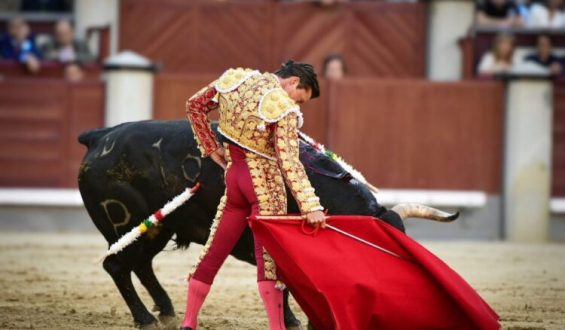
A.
x: 341, y: 283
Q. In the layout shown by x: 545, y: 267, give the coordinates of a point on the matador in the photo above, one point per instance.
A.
x: 259, y: 149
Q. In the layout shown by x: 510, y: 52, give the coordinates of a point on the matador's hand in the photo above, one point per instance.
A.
x: 219, y: 156
x: 316, y: 218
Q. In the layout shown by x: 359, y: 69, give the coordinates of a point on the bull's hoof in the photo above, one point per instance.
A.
x: 151, y: 326
x: 169, y: 322
x: 295, y: 327
x: 293, y: 324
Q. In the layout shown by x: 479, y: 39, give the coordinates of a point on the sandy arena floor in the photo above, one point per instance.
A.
x: 48, y: 281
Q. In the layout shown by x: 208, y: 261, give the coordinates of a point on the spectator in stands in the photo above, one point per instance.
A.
x: 523, y: 9
x: 65, y: 48
x: 47, y: 5
x: 547, y: 15
x: 9, y: 6
x: 73, y: 72
x: 501, y: 58
x: 545, y: 57
x: 334, y: 67
x: 19, y: 45
x: 498, y: 13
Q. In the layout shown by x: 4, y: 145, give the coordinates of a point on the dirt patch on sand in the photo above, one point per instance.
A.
x: 48, y: 281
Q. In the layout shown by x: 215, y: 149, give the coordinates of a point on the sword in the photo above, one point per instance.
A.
x: 340, y: 231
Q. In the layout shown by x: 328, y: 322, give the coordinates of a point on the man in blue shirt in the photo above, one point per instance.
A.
x: 19, y: 45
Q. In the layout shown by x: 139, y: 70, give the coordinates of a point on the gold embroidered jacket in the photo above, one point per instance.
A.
x: 258, y: 115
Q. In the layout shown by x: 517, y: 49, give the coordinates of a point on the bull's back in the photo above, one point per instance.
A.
x: 132, y: 169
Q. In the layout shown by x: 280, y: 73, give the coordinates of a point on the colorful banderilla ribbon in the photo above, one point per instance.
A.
x: 151, y: 221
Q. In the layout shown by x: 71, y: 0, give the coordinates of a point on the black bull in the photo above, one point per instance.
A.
x: 133, y: 169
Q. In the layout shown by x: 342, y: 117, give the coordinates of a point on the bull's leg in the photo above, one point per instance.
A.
x: 122, y: 277
x: 162, y: 301
x: 290, y: 320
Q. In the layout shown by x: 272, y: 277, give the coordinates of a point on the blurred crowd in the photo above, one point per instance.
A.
x: 537, y: 14
x: 58, y: 6
x: 546, y: 16
x: 19, y: 45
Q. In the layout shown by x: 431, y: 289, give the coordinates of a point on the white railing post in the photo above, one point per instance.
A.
x: 129, y: 88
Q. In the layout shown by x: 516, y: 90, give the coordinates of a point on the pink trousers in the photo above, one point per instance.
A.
x: 241, y: 202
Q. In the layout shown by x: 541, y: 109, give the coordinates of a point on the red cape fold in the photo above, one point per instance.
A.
x: 341, y: 283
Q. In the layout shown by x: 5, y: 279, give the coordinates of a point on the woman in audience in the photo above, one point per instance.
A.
x: 545, y: 57
x: 547, y: 15
x: 334, y: 67
x: 501, y: 58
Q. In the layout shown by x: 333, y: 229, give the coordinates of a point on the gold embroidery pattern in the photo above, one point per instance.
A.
x: 233, y: 78
x: 268, y: 184
x: 270, y: 267
x: 286, y: 136
x: 276, y: 104
x: 269, y: 188
x: 197, y: 108
x: 240, y: 119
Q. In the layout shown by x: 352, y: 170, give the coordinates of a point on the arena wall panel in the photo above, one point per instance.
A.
x: 420, y: 135
x: 199, y: 37
x: 39, y: 124
x: 558, y: 171
x: 400, y: 133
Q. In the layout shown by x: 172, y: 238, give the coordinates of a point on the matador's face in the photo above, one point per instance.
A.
x: 299, y: 95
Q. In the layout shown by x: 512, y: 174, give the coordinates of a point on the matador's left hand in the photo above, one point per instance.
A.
x: 219, y: 156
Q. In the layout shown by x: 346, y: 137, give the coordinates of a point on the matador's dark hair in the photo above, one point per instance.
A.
x: 306, y: 73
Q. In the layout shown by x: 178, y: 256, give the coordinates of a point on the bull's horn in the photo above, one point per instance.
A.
x: 411, y: 210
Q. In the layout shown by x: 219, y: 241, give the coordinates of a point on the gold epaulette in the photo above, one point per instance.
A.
x: 275, y: 104
x: 233, y: 78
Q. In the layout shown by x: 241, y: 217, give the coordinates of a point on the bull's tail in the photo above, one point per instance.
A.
x: 412, y: 210
x: 90, y: 137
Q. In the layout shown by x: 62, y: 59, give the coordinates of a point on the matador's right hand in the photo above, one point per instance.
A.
x: 316, y: 218
x: 219, y: 156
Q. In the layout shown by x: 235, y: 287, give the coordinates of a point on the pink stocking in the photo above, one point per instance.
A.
x: 197, y: 292
x: 273, y: 301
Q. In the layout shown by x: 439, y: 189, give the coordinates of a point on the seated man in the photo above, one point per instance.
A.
x: 545, y: 57
x: 19, y: 45
x: 497, y: 13
x: 65, y: 48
